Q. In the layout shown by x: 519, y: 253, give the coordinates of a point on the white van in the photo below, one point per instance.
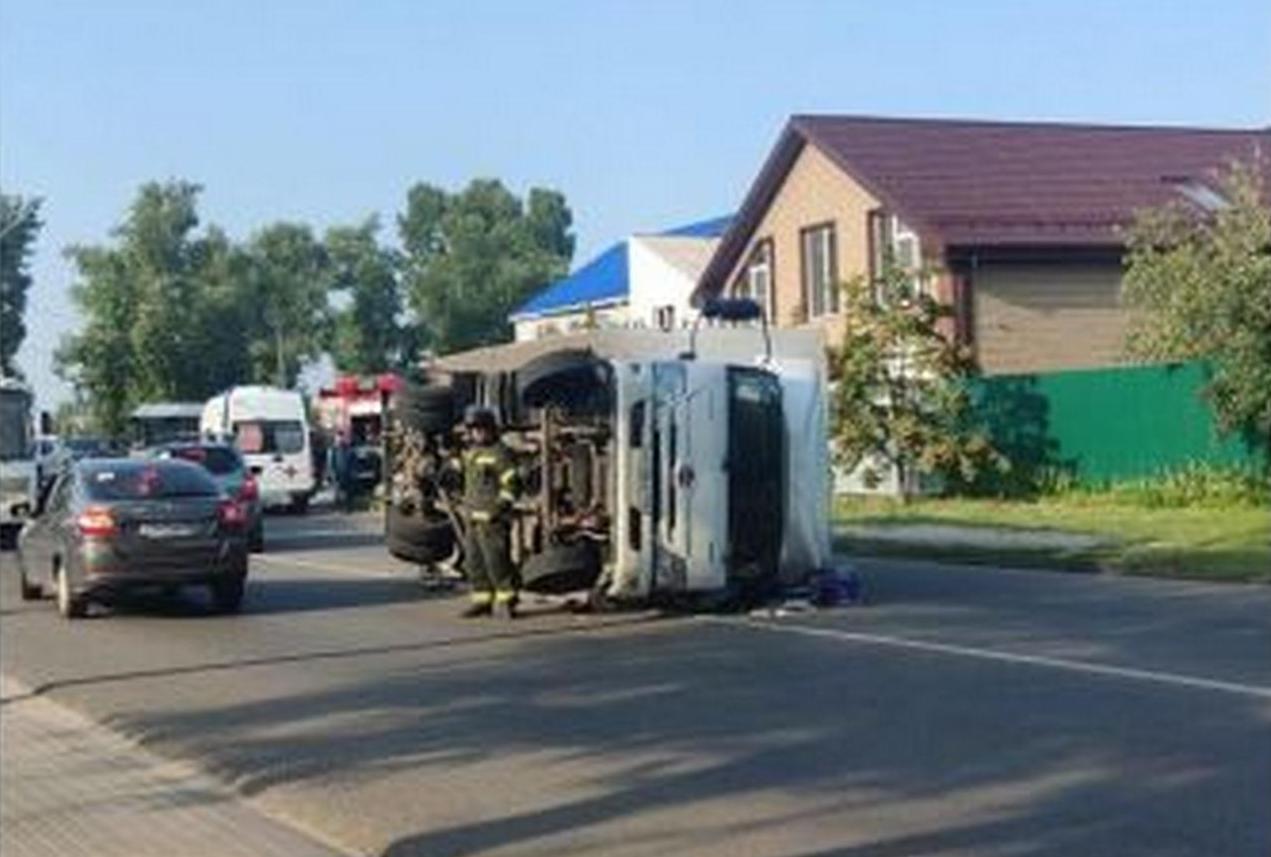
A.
x: 271, y: 429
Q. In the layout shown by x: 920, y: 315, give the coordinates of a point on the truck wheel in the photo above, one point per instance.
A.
x: 570, y: 379
x: 430, y: 410
x: 562, y: 568
x: 418, y: 538
x: 69, y: 605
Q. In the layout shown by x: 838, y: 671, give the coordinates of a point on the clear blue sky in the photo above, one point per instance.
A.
x: 646, y: 114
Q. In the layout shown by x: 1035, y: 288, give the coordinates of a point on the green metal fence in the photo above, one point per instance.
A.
x: 1109, y: 424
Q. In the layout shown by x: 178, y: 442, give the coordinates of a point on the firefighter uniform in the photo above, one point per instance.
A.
x: 489, y: 488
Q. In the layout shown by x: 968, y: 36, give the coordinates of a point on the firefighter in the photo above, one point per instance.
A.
x: 489, y: 489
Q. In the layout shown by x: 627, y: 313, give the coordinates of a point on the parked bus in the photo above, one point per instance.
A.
x: 19, y: 473
x: 157, y: 423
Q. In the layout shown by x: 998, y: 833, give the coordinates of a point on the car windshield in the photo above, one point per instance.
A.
x: 265, y: 436
x: 217, y: 460
x: 128, y: 480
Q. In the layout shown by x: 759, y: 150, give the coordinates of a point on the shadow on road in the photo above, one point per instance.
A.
x: 701, y: 728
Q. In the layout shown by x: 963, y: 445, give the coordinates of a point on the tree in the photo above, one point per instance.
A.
x: 289, y: 275
x: 19, y: 225
x: 368, y: 334
x: 166, y: 312
x: 902, y: 397
x: 1198, y: 275
x: 473, y: 257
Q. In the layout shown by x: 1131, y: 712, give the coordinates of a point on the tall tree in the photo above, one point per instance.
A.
x: 902, y: 400
x: 165, y: 310
x: 472, y: 257
x: 1199, y: 275
x: 19, y: 225
x: 289, y: 274
x: 368, y: 333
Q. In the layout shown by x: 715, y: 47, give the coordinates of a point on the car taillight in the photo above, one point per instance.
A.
x: 232, y: 514
x: 96, y: 521
x: 249, y: 490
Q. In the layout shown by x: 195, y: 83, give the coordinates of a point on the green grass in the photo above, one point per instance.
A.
x: 1230, y: 541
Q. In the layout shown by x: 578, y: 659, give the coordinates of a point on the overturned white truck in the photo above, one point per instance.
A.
x: 655, y: 466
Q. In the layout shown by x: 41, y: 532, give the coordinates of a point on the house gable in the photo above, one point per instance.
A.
x: 813, y: 192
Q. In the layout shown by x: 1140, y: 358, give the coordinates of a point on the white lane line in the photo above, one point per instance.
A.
x: 331, y: 567
x: 1167, y: 678
x: 300, y: 535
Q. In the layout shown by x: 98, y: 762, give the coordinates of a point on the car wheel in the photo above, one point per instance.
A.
x: 299, y: 504
x: 227, y: 593
x: 69, y: 605
x: 30, y: 591
x: 562, y: 568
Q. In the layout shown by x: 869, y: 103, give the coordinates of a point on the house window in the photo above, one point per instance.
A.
x: 664, y: 317
x: 820, y: 270
x: 893, y: 243
x: 755, y: 280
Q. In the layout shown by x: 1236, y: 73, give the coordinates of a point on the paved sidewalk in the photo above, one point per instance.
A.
x: 70, y: 787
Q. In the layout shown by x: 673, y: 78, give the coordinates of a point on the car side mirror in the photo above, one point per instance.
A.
x: 21, y: 510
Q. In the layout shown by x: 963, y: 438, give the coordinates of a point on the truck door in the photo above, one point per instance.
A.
x: 688, y: 483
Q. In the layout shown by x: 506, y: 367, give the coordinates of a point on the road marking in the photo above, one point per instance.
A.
x: 301, y: 535
x: 1088, y: 667
x: 1156, y: 676
x: 331, y: 567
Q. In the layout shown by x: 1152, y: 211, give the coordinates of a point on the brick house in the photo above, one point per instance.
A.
x: 1022, y: 220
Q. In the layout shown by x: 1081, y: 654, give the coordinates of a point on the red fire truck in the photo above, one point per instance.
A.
x: 354, y: 407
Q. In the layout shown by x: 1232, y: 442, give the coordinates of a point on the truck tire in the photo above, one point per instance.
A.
x: 419, y: 538
x: 562, y: 568
x: 430, y: 410
x: 571, y: 379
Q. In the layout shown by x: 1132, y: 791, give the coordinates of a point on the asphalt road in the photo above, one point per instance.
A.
x: 964, y: 711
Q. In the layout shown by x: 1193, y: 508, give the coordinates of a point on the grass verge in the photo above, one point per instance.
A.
x: 1230, y: 542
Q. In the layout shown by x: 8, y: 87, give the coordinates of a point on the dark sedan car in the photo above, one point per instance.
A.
x: 231, y: 473
x: 111, y: 524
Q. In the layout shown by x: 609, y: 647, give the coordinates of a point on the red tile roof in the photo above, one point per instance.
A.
x: 969, y: 183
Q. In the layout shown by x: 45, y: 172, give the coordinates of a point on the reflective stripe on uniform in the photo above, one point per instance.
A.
x: 482, y: 596
x: 508, y: 478
x: 504, y: 596
x: 480, y: 515
x: 507, y: 496
x: 485, y: 460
